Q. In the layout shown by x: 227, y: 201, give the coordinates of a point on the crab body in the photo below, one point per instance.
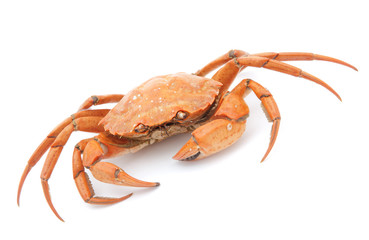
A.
x: 163, y: 102
x: 159, y: 108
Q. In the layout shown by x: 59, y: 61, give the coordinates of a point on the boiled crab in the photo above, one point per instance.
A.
x: 159, y: 108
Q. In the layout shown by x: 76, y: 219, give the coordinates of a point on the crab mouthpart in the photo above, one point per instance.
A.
x: 190, y: 151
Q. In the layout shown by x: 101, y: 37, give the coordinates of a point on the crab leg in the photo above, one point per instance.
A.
x: 101, y: 99
x: 82, y: 180
x: 51, y: 137
x: 227, y: 74
x: 271, y: 110
x: 282, y: 56
x: 86, y: 124
x: 93, y: 153
x: 301, y: 56
x: 228, y: 123
x: 108, y: 172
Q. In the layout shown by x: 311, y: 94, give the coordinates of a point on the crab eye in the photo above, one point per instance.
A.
x: 181, y: 115
x: 141, y: 128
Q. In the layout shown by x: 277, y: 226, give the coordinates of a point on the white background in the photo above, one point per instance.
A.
x: 314, y: 184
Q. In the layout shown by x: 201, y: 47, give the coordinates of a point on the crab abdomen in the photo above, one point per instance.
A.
x: 158, y: 100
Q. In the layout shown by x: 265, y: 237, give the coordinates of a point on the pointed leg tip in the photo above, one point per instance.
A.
x: 123, y: 198
x: 350, y: 66
x: 265, y: 156
x: 18, y: 199
x: 45, y: 187
x: 117, y: 200
x: 320, y: 82
x: 107, y: 200
x: 61, y: 219
x: 334, y: 60
x: 127, y: 196
x: 157, y: 184
x: 57, y: 214
x: 21, y: 182
x: 337, y: 95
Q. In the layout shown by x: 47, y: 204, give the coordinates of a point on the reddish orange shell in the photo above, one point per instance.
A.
x: 159, y: 99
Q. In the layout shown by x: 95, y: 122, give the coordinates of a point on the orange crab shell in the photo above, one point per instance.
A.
x: 158, y: 100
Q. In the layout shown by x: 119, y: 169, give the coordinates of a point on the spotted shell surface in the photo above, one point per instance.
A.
x: 158, y: 100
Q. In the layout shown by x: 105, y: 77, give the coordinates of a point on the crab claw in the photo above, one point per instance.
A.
x: 110, y: 173
x: 190, y: 151
x: 211, y: 138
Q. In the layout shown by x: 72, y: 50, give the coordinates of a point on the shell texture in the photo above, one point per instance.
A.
x: 158, y: 100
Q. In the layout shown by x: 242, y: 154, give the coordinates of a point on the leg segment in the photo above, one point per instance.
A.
x: 50, y: 139
x: 301, y: 56
x: 98, y: 100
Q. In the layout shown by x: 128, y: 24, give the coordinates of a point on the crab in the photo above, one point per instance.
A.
x: 162, y: 107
